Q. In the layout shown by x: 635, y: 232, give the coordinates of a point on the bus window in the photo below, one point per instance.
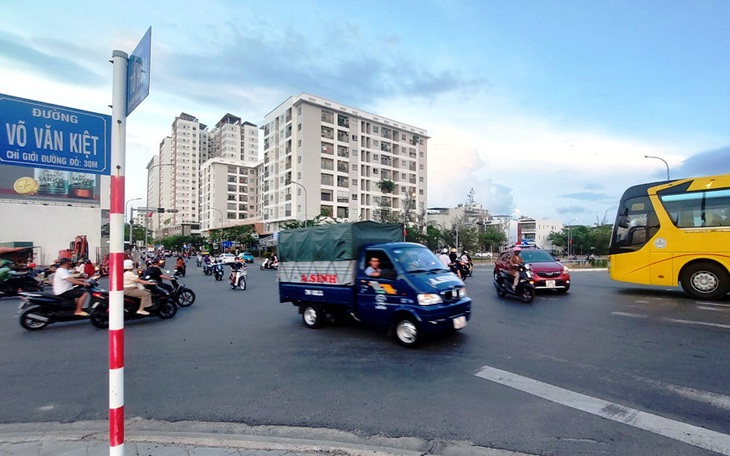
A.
x: 638, y: 223
x: 698, y: 209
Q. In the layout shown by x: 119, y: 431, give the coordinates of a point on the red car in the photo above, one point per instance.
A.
x: 548, y: 273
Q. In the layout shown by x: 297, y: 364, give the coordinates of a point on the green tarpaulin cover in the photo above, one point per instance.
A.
x: 342, y: 241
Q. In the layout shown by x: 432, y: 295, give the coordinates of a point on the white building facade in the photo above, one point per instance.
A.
x: 321, y: 157
x: 537, y: 232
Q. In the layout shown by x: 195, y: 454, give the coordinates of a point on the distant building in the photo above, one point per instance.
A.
x: 323, y: 157
x: 536, y: 232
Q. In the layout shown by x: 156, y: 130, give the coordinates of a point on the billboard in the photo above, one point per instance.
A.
x: 25, y: 184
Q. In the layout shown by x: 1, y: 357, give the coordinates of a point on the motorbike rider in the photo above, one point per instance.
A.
x: 63, y: 286
x: 235, y: 267
x: 454, y: 264
x: 444, y: 257
x: 134, y: 286
x: 180, y: 263
x: 515, y: 262
x: 5, y: 270
x: 155, y: 273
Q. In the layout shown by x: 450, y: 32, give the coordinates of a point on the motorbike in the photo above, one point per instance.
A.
x: 198, y: 262
x: 183, y: 296
x: 467, y: 268
x: 18, y: 282
x: 239, y: 280
x: 179, y: 271
x: 269, y: 264
x: 218, y: 270
x: 37, y: 309
x: 525, y: 289
x: 207, y: 268
x: 163, y: 306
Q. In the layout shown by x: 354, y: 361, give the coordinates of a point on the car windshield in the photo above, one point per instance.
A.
x: 536, y: 256
x: 417, y: 259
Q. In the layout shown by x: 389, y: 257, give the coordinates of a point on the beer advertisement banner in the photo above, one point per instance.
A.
x: 49, y: 185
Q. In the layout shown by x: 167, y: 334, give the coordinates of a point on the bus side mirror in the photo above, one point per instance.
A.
x: 623, y: 221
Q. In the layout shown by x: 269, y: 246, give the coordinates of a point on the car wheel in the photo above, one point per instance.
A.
x: 408, y: 332
x: 705, y: 281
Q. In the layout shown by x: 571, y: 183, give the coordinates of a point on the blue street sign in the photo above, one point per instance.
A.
x: 138, y: 72
x: 227, y: 244
x: 43, y: 135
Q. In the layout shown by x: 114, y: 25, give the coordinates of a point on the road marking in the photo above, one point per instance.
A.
x: 642, y: 302
x: 676, y: 430
x: 713, y: 304
x: 627, y: 314
x: 714, y: 309
x: 714, y: 399
x: 692, y: 322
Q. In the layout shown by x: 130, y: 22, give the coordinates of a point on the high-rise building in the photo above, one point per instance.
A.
x: 178, y: 176
x: 321, y: 157
x: 209, y: 177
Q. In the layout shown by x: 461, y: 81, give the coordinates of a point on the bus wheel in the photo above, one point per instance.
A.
x: 705, y: 281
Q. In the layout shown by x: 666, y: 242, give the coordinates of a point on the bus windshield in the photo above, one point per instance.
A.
x: 636, y: 223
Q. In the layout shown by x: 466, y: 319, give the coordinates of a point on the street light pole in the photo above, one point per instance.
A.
x: 305, y: 200
x: 570, y: 239
x: 660, y: 158
x: 130, y: 219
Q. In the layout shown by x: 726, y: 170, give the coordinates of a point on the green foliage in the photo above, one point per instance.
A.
x: 385, y: 186
x: 137, y: 232
x: 586, y: 240
x: 491, y: 239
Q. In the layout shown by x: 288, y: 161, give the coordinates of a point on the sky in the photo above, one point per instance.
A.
x: 546, y: 109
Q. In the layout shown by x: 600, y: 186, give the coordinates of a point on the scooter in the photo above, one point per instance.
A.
x: 269, y: 264
x: 163, y: 306
x: 18, y: 282
x: 207, y: 268
x: 183, y: 296
x: 218, y: 270
x: 239, y: 280
x: 525, y: 289
x: 37, y: 309
x: 179, y: 271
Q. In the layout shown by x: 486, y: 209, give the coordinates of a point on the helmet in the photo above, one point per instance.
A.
x: 445, y: 250
x: 453, y: 249
x: 128, y: 264
x: 517, y: 250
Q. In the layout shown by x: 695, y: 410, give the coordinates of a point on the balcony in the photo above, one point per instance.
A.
x: 328, y: 133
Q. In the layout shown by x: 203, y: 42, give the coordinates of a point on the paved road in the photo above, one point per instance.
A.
x: 604, y: 369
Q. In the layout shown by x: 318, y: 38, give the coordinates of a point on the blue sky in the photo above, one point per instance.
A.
x: 545, y: 108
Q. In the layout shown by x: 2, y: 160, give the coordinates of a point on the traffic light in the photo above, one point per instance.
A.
x: 160, y: 210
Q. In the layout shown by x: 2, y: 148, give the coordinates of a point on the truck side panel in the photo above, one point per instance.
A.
x: 329, y: 294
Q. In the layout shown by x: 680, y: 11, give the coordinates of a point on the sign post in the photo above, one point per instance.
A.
x: 124, y: 99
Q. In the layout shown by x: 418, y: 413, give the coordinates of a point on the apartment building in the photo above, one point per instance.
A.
x: 537, y: 232
x: 177, y: 174
x: 229, y: 193
x: 208, y: 177
x: 321, y: 157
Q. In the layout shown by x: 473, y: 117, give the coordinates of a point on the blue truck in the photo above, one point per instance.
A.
x: 324, y: 272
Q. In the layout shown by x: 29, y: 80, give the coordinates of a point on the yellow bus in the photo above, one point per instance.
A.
x: 674, y: 232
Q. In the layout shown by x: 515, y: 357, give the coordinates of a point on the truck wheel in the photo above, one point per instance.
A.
x: 705, y: 281
x: 313, y: 316
x: 408, y: 332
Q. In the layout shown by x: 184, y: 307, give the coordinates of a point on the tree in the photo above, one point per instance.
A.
x: 384, y: 212
x: 492, y: 239
x: 137, y: 232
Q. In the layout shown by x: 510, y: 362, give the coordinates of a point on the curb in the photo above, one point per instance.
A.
x: 197, y: 434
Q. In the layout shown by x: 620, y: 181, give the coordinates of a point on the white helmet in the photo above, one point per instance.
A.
x: 445, y: 250
x: 128, y: 264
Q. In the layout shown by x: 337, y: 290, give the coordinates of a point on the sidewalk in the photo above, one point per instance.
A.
x: 187, y: 438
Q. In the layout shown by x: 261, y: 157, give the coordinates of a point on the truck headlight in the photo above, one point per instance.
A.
x: 429, y: 299
x: 462, y: 292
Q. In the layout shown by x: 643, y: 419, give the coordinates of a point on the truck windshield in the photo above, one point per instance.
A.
x: 417, y: 259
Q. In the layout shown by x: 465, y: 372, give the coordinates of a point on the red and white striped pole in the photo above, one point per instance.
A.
x: 116, y: 256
